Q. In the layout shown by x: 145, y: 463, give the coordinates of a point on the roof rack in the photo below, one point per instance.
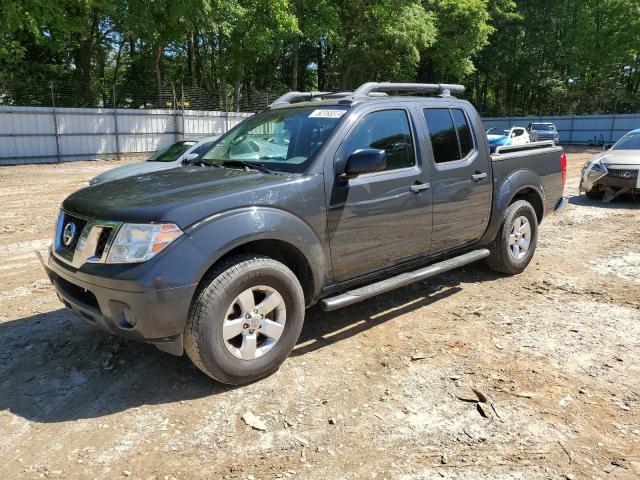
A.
x: 291, y: 97
x: 371, y: 89
x: 442, y: 89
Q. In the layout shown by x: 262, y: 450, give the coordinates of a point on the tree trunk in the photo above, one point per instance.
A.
x: 223, y: 72
x: 236, y: 94
x: 158, y: 56
x: 294, y: 67
x: 191, y: 59
x: 117, y: 65
x: 322, y: 81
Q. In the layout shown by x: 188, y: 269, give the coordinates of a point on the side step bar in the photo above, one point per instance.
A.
x: 360, y: 294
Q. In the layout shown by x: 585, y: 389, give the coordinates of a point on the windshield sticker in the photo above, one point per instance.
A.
x: 327, y: 113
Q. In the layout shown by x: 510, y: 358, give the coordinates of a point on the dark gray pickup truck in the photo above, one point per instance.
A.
x: 326, y: 198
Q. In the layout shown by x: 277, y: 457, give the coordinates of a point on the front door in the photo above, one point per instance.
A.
x: 379, y: 219
x: 461, y: 178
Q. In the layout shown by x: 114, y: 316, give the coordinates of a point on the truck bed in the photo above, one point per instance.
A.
x: 538, y: 158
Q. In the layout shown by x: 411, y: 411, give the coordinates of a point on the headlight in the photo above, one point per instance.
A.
x: 140, y: 242
x: 598, y: 167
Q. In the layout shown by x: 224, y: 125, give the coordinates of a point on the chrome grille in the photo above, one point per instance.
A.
x: 105, y: 233
x: 89, y: 243
x: 625, y: 173
x: 68, y: 242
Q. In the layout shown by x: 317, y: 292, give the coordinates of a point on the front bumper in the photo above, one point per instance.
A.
x: 155, y: 316
x: 591, y: 179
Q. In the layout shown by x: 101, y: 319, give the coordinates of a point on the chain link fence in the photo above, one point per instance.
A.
x: 56, y: 121
x: 175, y: 96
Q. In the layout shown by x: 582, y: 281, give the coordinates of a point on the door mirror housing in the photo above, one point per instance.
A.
x: 190, y: 158
x: 366, y: 160
x: 607, y: 146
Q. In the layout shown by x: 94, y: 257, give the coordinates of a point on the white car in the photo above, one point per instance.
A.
x: 614, y: 171
x: 181, y: 153
x: 515, y: 136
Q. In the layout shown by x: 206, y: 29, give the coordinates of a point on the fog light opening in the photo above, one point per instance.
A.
x: 126, y: 319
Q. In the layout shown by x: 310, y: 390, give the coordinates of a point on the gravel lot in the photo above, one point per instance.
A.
x: 378, y: 390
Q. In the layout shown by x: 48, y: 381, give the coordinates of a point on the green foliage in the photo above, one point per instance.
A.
x: 382, y: 40
x: 562, y: 57
x: 463, y: 30
x: 516, y: 57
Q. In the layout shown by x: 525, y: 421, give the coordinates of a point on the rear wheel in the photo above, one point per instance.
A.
x: 245, y: 319
x: 515, y: 243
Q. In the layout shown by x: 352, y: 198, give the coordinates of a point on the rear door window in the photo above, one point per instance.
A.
x: 444, y: 140
x: 464, y: 132
x: 450, y: 133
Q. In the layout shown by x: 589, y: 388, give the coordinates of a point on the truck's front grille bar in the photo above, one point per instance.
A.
x: 80, y: 240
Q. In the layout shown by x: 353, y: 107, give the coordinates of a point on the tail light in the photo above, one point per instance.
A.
x: 563, y: 167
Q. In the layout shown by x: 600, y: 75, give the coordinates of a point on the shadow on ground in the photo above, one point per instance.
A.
x: 56, y: 368
x: 623, y: 202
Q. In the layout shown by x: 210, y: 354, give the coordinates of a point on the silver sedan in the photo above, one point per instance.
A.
x: 613, y: 172
x: 181, y: 153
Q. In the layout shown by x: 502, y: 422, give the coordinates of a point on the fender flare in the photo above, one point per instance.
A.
x: 217, y: 235
x: 515, y: 183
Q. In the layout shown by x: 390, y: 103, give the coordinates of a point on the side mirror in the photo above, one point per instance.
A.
x: 190, y: 158
x: 366, y: 160
x: 607, y: 146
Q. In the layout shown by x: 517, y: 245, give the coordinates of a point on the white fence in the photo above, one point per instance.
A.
x: 581, y: 129
x: 44, y: 135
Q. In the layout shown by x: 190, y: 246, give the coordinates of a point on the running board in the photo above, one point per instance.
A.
x: 360, y: 294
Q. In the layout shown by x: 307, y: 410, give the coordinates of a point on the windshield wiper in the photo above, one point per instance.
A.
x: 251, y: 165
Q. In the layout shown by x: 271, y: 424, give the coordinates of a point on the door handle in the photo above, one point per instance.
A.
x: 479, y: 176
x: 420, y: 187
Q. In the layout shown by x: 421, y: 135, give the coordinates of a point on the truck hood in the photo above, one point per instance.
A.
x: 131, y: 169
x: 180, y: 195
x: 618, y: 157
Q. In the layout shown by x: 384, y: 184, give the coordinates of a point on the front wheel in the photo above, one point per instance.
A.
x: 515, y: 244
x: 245, y: 319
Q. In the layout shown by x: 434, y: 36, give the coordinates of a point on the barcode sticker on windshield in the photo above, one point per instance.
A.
x: 327, y: 113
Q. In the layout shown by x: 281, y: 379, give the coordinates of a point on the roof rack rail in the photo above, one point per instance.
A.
x: 370, y: 89
x: 291, y: 97
x: 443, y: 89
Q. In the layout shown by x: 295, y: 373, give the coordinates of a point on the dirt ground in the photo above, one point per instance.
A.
x: 377, y: 390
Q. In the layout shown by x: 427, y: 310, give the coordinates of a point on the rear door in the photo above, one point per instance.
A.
x: 379, y: 219
x: 461, y: 175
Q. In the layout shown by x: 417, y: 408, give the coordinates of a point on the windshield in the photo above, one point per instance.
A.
x: 631, y: 141
x: 283, y: 140
x: 170, y: 153
x: 543, y: 126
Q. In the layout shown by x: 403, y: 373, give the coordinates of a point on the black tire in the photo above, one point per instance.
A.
x: 203, y: 338
x: 594, y: 194
x: 501, y: 260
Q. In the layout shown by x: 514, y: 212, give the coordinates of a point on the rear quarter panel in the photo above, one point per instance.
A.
x: 539, y: 170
